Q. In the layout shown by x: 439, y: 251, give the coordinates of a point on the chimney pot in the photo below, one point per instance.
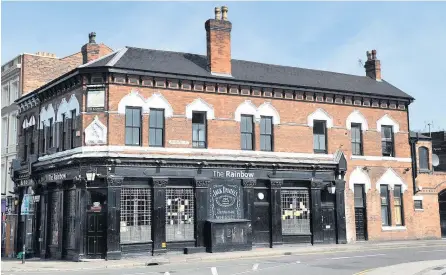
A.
x: 224, y: 9
x: 373, y: 66
x: 369, y: 55
x: 92, y: 37
x: 217, y: 13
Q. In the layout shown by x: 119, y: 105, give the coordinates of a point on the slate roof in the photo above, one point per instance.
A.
x: 420, y: 135
x: 247, y: 71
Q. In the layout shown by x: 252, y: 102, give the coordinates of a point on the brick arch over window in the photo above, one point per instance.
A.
x: 201, y: 106
x: 391, y: 178
x: 133, y: 99
x: 387, y: 120
x: 358, y: 176
x: 320, y: 114
x: 357, y: 117
x: 46, y: 114
x: 246, y: 108
x: 267, y: 109
x: 158, y: 101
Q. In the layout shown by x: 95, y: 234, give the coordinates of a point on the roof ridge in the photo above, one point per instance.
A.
x: 117, y: 57
x: 96, y: 60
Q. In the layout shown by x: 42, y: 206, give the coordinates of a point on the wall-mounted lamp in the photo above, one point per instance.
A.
x: 365, y: 168
x: 406, y: 170
x: 91, y: 175
x: 331, y: 188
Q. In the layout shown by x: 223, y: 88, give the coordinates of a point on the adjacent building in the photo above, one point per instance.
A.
x: 20, y: 76
x: 146, y: 151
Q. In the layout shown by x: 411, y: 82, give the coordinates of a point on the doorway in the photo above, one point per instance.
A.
x: 360, y: 213
x: 96, y: 224
x: 442, y: 207
x: 328, y: 217
x: 261, y: 223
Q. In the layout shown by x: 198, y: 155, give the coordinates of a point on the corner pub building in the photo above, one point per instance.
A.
x: 145, y: 151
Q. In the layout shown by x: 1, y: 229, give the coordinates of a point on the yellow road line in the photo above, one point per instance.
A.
x: 364, y: 271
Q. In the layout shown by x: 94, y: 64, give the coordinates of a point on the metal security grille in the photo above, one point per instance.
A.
x: 70, y: 219
x: 295, y: 211
x: 135, y: 215
x: 179, y: 214
x: 54, y: 218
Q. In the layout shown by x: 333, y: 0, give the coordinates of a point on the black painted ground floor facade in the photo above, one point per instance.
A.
x: 151, y: 208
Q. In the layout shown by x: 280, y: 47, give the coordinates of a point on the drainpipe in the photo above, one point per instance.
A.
x: 412, y: 143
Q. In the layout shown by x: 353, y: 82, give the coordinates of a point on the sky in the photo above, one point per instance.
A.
x: 410, y: 37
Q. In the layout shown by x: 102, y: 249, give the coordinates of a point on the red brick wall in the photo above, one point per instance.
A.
x: 292, y: 135
x: 39, y: 70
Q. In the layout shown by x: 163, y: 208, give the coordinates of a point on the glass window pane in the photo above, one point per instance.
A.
x: 128, y: 117
x: 136, y: 136
x: 318, y: 127
x: 160, y: 119
x: 384, y: 216
x: 195, y: 134
x: 136, y: 117
x: 152, y: 118
x: 262, y: 126
x: 152, y: 137
x: 268, y: 126
x: 159, y: 137
x: 249, y: 124
x: 268, y: 143
x: 198, y: 117
x: 128, y: 136
x: 201, y: 135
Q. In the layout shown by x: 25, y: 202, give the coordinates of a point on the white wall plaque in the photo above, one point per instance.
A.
x: 95, y: 99
x: 96, y: 133
x: 179, y: 142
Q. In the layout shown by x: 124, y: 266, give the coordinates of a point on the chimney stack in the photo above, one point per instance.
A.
x: 373, y: 66
x: 91, y: 50
x: 218, y: 40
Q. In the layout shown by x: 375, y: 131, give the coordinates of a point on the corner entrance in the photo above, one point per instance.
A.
x: 442, y: 207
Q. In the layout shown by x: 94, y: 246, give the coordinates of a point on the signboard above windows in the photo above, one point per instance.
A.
x: 95, y: 100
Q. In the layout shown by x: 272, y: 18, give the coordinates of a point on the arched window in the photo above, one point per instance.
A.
x: 423, y: 154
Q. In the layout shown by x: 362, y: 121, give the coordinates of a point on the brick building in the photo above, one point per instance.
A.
x: 20, y: 76
x: 141, y: 150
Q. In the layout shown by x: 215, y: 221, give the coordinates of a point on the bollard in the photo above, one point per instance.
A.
x: 23, y: 254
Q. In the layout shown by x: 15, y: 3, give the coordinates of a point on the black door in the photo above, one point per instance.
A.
x: 442, y: 206
x: 96, y: 234
x: 360, y: 213
x: 328, y: 224
x: 261, y: 218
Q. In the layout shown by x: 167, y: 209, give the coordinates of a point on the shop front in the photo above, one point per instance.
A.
x: 117, y: 208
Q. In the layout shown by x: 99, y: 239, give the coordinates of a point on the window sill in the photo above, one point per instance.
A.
x: 393, y: 228
x: 420, y: 210
x: 424, y: 171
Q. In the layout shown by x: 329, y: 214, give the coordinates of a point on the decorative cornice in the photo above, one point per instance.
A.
x: 160, y: 182
x: 316, y: 183
x: 249, y: 183
x: 202, y: 183
x: 276, y: 183
x: 115, y: 181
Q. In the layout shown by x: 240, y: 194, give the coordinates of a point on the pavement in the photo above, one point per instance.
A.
x: 409, y: 257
